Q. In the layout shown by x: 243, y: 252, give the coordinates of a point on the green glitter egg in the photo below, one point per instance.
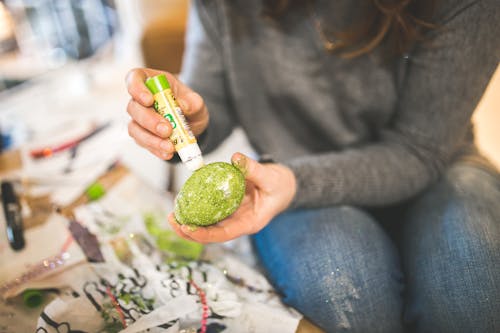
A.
x: 211, y: 194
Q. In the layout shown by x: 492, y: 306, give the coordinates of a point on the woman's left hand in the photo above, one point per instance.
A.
x: 270, y: 188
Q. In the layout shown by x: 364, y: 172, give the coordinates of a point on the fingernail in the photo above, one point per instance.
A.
x: 240, y: 162
x: 162, y: 129
x: 166, y: 146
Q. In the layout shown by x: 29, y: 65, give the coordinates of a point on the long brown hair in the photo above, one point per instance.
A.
x: 397, y: 23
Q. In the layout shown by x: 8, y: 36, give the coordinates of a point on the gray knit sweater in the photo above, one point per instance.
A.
x: 360, y: 132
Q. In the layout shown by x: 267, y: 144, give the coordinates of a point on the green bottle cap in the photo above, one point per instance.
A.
x: 95, y: 191
x: 32, y: 298
x: 157, y: 83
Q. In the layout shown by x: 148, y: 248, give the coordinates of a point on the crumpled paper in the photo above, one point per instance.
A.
x: 139, y: 288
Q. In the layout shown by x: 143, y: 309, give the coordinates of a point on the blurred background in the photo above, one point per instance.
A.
x: 63, y: 63
x: 52, y: 33
x: 62, y: 70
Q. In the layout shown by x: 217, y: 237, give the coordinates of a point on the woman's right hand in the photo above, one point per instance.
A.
x: 149, y: 129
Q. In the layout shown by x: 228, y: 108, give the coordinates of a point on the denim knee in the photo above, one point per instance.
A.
x: 336, y: 266
x: 451, y: 252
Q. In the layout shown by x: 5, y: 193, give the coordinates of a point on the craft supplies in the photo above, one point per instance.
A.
x: 13, y: 216
x: 169, y: 242
x: 183, y: 139
x: 32, y: 298
x: 95, y: 191
x: 72, y: 144
x: 88, y: 241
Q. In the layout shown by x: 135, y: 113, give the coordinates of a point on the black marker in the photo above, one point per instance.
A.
x: 13, y: 217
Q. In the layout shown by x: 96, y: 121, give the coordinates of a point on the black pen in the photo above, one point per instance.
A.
x: 13, y: 217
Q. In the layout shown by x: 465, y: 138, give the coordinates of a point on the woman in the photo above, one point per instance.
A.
x: 378, y: 214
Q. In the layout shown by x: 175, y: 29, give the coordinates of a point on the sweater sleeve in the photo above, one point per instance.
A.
x: 444, y: 81
x: 203, y: 71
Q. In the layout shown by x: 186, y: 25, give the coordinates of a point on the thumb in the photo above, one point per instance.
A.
x: 191, y: 103
x: 251, y: 169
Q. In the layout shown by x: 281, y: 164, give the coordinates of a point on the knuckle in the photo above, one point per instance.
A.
x: 128, y: 76
x: 139, y: 143
x: 133, y: 81
x: 130, y: 128
x: 130, y: 106
x: 147, y: 119
x: 152, y: 141
x: 129, y: 79
x: 155, y: 152
x: 132, y: 73
x: 141, y: 116
x: 199, y: 102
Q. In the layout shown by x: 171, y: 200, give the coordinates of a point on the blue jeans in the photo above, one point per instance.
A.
x: 429, y: 265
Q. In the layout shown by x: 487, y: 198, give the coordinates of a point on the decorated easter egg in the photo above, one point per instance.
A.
x: 211, y: 194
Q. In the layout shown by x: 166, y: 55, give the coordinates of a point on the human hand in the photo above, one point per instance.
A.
x: 149, y: 129
x: 270, y: 188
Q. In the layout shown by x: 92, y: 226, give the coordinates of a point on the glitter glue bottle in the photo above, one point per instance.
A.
x: 183, y: 139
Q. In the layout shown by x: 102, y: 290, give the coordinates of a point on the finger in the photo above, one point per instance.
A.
x: 192, y: 105
x: 148, y: 140
x: 177, y: 227
x: 218, y: 233
x: 204, y: 235
x: 136, y: 77
x: 149, y: 119
x: 190, y: 102
x: 179, y: 89
x: 251, y: 169
x: 134, y: 80
x: 161, y: 154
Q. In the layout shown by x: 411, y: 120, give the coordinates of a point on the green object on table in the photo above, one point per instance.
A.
x: 32, y: 298
x: 169, y: 242
x: 95, y: 191
x: 151, y: 225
